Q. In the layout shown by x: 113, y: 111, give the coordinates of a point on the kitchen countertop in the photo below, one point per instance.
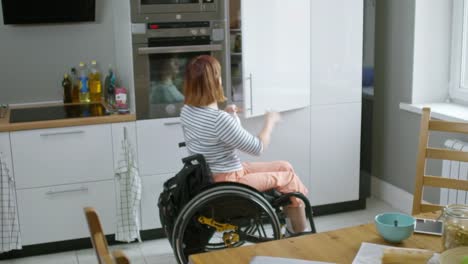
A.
x: 6, y: 126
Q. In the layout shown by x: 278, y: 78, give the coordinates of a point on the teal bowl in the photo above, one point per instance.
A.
x: 395, y: 227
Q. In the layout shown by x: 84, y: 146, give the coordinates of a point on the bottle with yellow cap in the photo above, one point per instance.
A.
x: 95, y: 85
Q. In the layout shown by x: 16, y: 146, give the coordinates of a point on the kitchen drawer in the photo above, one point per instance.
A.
x: 158, y: 149
x: 57, y: 156
x: 56, y: 213
x: 152, y: 188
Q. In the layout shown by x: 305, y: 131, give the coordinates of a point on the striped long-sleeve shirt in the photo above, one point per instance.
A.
x: 217, y: 135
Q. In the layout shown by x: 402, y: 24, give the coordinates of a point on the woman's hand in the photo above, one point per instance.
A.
x: 232, y: 109
x: 271, y: 118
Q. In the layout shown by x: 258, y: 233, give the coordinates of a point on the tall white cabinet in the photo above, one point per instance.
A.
x: 275, y: 55
x: 336, y: 66
x: 270, y: 63
x: 327, y: 132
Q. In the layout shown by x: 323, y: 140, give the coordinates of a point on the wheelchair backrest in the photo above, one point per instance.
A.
x: 178, y: 190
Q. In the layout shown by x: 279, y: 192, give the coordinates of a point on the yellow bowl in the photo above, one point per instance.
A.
x: 454, y: 256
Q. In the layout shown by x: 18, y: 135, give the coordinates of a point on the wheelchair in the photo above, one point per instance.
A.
x: 227, y: 214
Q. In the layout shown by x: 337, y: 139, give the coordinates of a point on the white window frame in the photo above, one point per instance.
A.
x: 458, y: 90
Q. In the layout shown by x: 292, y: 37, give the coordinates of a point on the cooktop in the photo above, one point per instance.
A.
x: 56, y: 112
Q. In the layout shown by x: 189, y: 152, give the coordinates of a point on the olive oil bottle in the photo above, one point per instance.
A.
x: 95, y: 84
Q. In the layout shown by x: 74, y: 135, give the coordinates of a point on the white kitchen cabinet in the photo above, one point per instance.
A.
x: 158, y: 148
x: 55, y: 213
x: 55, y: 156
x: 272, y: 67
x: 290, y: 141
x: 336, y: 51
x: 152, y: 188
x: 118, y: 134
x: 335, y: 153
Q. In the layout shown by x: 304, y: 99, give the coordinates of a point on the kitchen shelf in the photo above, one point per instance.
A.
x: 235, y: 30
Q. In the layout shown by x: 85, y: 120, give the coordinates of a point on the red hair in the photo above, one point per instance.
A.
x: 202, y: 85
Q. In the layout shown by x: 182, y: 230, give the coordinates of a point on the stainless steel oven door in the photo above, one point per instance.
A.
x: 159, y: 74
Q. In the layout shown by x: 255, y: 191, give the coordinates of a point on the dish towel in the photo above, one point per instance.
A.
x: 9, y: 226
x: 129, y: 196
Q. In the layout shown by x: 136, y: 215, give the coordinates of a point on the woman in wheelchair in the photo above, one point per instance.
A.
x: 217, y: 135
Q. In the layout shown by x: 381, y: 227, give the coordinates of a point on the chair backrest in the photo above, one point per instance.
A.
x: 99, y: 241
x: 425, y: 152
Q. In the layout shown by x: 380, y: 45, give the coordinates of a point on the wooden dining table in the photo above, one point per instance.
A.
x: 337, y: 246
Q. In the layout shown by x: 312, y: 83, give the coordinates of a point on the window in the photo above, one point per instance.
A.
x: 459, y: 53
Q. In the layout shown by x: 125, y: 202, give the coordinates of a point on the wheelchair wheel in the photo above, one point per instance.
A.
x: 226, y: 215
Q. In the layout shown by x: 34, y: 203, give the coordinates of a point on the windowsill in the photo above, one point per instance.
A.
x: 441, y: 111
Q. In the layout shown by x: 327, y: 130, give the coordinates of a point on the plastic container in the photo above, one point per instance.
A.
x: 84, y: 87
x: 455, y: 233
x: 121, y: 100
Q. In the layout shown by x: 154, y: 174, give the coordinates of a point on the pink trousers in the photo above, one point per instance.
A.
x: 263, y: 176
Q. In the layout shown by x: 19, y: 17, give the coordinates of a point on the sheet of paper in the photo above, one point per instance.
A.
x: 276, y: 260
x: 372, y: 254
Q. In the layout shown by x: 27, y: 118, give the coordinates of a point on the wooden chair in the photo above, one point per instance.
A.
x: 99, y: 241
x: 425, y: 152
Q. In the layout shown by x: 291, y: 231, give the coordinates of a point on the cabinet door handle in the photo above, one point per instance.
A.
x: 251, y: 93
x: 81, y: 189
x: 62, y: 133
x: 172, y: 123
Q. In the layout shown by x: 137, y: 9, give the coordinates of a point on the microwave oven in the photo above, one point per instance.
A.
x: 144, y: 11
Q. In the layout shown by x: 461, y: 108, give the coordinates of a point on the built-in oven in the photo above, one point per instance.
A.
x: 160, y: 56
x: 170, y: 10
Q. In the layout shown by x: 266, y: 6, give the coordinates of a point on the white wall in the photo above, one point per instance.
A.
x: 411, y: 62
x: 432, y: 39
x: 393, y: 82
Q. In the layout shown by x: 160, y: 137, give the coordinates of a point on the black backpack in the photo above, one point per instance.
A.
x: 180, y: 189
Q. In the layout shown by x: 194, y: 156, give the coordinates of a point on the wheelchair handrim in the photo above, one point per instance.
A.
x: 211, y: 194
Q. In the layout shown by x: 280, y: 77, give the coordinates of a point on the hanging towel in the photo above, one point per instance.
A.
x: 128, y: 196
x: 10, y: 232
